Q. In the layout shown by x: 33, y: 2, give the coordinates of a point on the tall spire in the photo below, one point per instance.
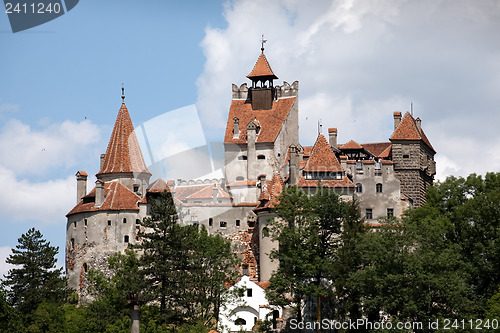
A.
x: 123, y: 156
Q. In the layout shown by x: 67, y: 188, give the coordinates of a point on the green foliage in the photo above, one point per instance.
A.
x: 308, y: 229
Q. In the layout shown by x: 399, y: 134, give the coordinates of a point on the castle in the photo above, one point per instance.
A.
x: 262, y: 155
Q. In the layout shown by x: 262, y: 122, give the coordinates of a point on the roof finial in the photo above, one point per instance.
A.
x: 263, y: 41
x: 123, y: 94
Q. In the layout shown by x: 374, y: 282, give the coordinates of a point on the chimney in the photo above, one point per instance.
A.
x: 419, y: 125
x: 294, y: 164
x: 397, y: 119
x: 236, y: 131
x: 215, y: 191
x: 81, y: 185
x: 99, y: 192
x: 332, y: 137
x: 103, y: 156
x: 251, y: 153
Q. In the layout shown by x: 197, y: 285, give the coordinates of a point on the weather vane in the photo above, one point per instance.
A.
x: 123, y: 93
x: 263, y: 41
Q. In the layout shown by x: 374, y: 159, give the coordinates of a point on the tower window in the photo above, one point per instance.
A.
x: 74, y: 224
x: 369, y: 214
x: 223, y: 224
x: 85, y: 222
x: 378, y: 187
x: 85, y: 267
x: 359, y: 188
x: 125, y: 239
x: 72, y: 243
x: 136, y: 188
x: 124, y: 220
x: 210, y: 222
x: 237, y: 223
x: 109, y: 222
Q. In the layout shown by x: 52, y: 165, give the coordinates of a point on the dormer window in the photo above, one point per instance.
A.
x: 136, y: 188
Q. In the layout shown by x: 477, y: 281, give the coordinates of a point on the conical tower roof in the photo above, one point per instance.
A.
x: 123, y: 154
x: 262, y: 69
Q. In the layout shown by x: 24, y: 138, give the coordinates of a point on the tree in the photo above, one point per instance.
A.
x: 35, y: 278
x: 184, y: 267
x: 308, y: 229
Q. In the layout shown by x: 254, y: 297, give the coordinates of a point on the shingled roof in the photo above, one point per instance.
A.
x: 269, y: 197
x: 322, y: 157
x: 116, y: 197
x: 271, y: 120
x: 408, y: 130
x: 123, y: 154
x: 262, y: 69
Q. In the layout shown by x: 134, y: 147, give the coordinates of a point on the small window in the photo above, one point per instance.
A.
x: 85, y: 267
x: 125, y: 239
x: 124, y: 220
x: 378, y: 188
x: 237, y: 223
x: 223, y: 224
x: 240, y: 322
x: 137, y: 221
x: 72, y: 243
x: 406, y: 156
x: 85, y: 222
x: 249, y: 292
x: 369, y: 214
x: 210, y: 222
x: 109, y: 222
x: 136, y: 188
x: 245, y: 269
x: 359, y: 188
x: 261, y: 157
x: 251, y: 224
x: 390, y: 212
x: 74, y: 224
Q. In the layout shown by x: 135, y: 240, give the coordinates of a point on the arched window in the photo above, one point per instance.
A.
x: 240, y: 322
x: 378, y: 187
x: 223, y: 224
x: 210, y: 222
x: 359, y: 188
x: 124, y: 220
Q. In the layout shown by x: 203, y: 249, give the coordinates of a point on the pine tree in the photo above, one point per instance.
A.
x: 35, y: 279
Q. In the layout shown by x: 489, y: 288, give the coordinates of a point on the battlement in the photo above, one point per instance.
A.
x: 285, y: 90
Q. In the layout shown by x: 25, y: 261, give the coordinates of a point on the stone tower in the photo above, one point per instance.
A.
x: 103, y: 221
x: 262, y: 124
x: 413, y: 157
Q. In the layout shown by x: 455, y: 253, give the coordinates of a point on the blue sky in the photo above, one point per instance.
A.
x: 356, y: 61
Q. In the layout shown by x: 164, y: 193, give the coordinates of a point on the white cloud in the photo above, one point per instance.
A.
x: 358, y: 61
x: 46, y: 202
x: 26, y: 151
x: 5, y: 251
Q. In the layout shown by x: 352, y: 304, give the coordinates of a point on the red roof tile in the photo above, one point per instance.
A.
x: 123, y: 154
x: 376, y: 148
x: 262, y: 69
x: 350, y: 145
x: 116, y: 197
x: 271, y: 120
x: 408, y: 130
x: 345, y: 182
x: 322, y: 157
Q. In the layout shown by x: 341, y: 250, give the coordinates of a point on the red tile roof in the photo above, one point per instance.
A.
x: 273, y: 189
x: 350, y: 145
x: 116, y: 197
x: 123, y: 154
x: 244, y: 182
x: 408, y: 130
x: 82, y: 173
x: 158, y: 186
x: 322, y: 157
x: 262, y: 69
x: 376, y: 148
x: 271, y: 120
